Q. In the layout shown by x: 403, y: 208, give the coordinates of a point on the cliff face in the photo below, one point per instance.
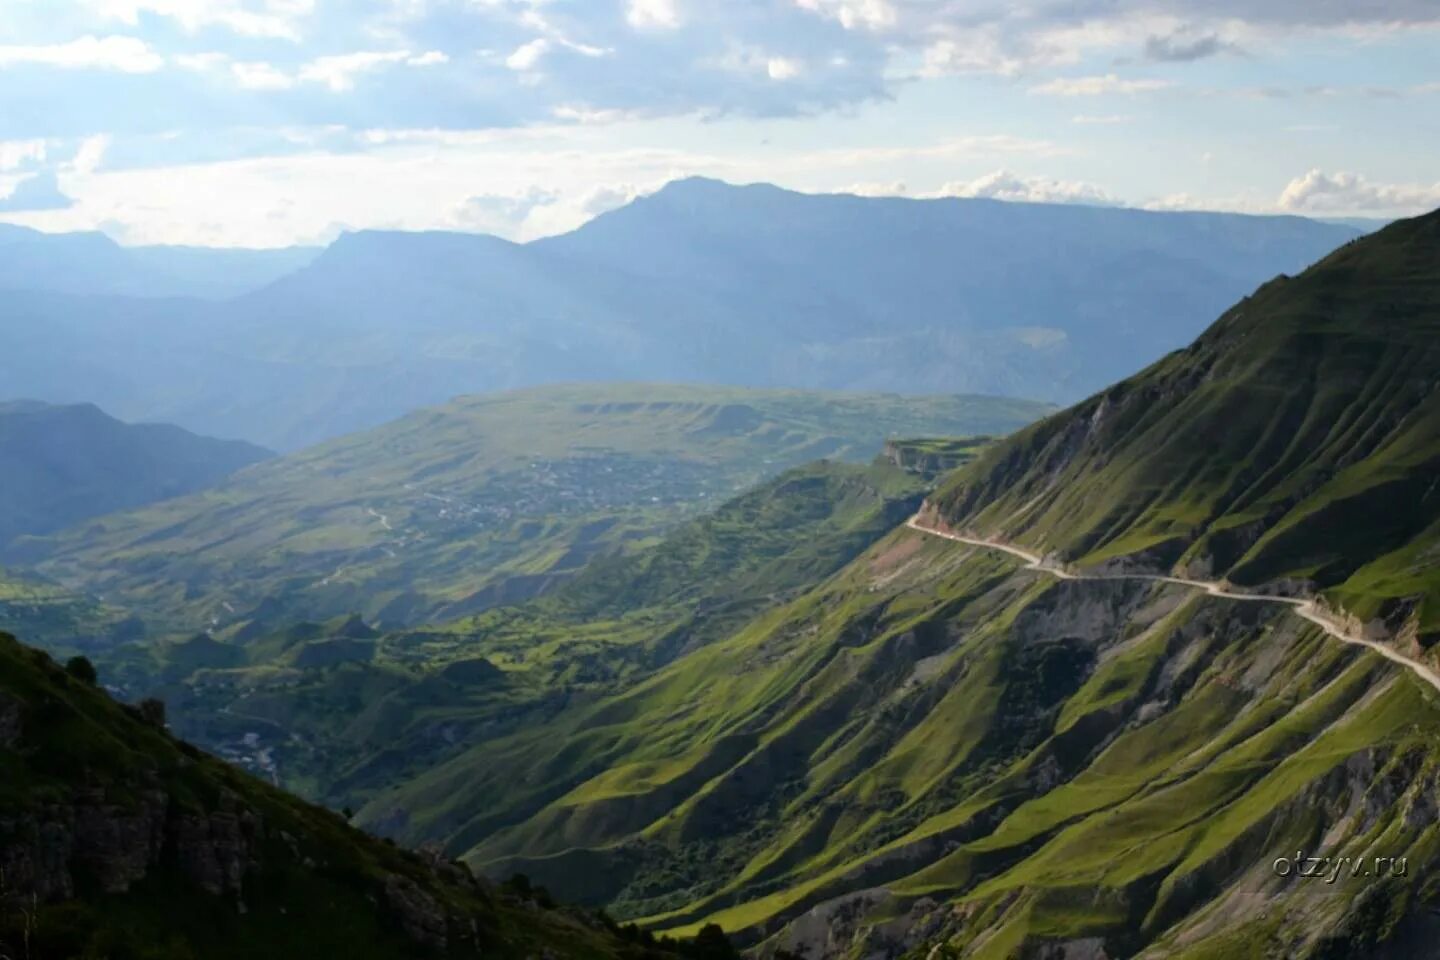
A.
x: 117, y: 840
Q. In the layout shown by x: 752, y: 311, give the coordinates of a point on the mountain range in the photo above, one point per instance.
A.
x: 91, y: 264
x: 66, y: 464
x: 1106, y: 686
x: 943, y: 747
x: 700, y: 282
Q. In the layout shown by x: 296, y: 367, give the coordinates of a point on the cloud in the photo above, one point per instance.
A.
x: 265, y: 18
x: 1108, y: 119
x: 36, y: 193
x: 90, y: 154
x: 1352, y: 193
x: 653, y: 14
x: 783, y: 68
x: 338, y: 72
x: 15, y: 154
x: 528, y: 56
x: 1004, y: 185
x: 261, y: 76
x: 124, y: 54
x: 856, y: 14
x: 1109, y: 84
x: 1185, y: 48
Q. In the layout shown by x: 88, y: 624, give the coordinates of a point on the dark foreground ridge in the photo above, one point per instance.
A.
x: 118, y: 841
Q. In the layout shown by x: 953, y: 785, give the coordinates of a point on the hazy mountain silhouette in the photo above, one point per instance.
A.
x: 701, y: 282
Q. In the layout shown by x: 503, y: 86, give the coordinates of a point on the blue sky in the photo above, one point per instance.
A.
x: 270, y: 122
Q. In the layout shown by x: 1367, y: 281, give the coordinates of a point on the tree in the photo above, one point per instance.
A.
x: 152, y: 711
x: 712, y: 944
x: 83, y: 670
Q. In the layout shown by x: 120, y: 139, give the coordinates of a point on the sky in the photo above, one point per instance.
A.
x: 275, y: 122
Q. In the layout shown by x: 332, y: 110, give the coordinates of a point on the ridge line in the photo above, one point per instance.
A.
x: 1306, y: 609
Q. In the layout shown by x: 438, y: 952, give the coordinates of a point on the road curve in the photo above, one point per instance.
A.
x: 1305, y: 608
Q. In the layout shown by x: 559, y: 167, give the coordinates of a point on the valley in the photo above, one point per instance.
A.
x: 485, y: 501
x: 682, y: 480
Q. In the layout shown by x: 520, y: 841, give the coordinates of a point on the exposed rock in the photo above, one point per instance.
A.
x: 420, y: 914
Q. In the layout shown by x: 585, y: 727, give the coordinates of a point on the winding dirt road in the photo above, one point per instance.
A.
x: 1305, y: 608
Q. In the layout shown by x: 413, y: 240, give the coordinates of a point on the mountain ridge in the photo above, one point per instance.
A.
x: 67, y: 464
x: 703, y: 282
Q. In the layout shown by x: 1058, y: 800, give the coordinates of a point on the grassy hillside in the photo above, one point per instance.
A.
x: 485, y: 501
x: 1295, y: 445
x: 934, y: 748
x: 61, y: 619
x: 933, y: 745
x: 337, y: 711
x: 64, y: 465
x: 117, y: 840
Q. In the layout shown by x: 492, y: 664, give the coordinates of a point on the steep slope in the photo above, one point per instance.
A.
x: 487, y: 500
x: 117, y: 840
x: 702, y: 282
x: 64, y: 465
x: 1295, y: 446
x: 941, y: 747
x: 92, y: 263
x: 337, y: 712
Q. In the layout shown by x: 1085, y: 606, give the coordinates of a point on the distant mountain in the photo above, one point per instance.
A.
x: 64, y: 465
x: 92, y: 263
x: 487, y: 500
x: 118, y: 840
x: 702, y: 282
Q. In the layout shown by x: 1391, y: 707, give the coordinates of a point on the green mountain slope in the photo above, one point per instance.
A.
x: 338, y: 712
x: 118, y: 841
x: 938, y: 748
x: 1295, y: 446
x: 64, y: 465
x: 485, y: 501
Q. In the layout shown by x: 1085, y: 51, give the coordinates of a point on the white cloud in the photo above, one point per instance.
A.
x: 339, y: 72
x: 1004, y: 185
x: 528, y: 56
x: 856, y: 14
x: 894, y: 188
x: 261, y: 76
x: 593, y: 116
x: 124, y: 54
x: 90, y: 154
x: 430, y: 58
x: 1102, y: 120
x: 1098, y: 86
x: 653, y: 14
x: 266, y: 18
x: 15, y: 154
x: 1320, y: 192
x: 784, y: 68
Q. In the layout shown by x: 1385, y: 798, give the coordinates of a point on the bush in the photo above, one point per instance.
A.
x: 152, y: 711
x: 83, y: 670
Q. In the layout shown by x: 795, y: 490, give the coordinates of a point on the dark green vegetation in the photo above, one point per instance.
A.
x: 1296, y: 444
x: 702, y: 282
x: 68, y: 464
x: 933, y: 747
x: 117, y: 841
x: 484, y: 501
x: 336, y: 711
